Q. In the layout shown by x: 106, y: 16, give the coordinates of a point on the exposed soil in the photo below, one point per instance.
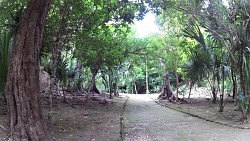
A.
x: 75, y: 121
x: 146, y: 120
x: 206, y: 110
x: 200, y: 105
x: 3, y: 123
x: 102, y: 119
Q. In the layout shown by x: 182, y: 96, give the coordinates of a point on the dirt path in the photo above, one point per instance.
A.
x: 147, y: 121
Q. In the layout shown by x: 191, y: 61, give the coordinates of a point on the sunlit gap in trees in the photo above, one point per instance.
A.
x: 225, y: 3
x: 146, y: 27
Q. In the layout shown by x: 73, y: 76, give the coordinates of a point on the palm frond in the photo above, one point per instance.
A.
x: 199, y: 66
x: 193, y: 31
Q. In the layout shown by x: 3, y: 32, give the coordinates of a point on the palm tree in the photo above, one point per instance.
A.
x: 202, y: 60
x: 199, y: 66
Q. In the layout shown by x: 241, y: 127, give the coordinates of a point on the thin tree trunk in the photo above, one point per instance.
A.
x: 233, y: 77
x: 222, y: 91
x: 105, y: 83
x: 56, y: 54
x: 25, y: 115
x: 64, y: 94
x: 79, y: 74
x: 53, y: 78
x: 90, y: 89
x: 147, y: 87
x: 116, y: 77
x: 214, y: 89
x: 132, y: 88
x: 136, y: 92
x: 110, y: 83
x: 242, y: 86
x: 116, y: 93
x: 190, y: 89
x: 177, y: 84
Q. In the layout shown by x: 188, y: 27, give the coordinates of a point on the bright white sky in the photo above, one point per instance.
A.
x: 147, y: 26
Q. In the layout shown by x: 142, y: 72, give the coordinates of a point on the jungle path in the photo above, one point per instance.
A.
x: 145, y: 120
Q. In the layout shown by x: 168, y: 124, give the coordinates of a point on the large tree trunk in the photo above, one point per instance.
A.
x: 25, y: 116
x: 93, y: 87
x: 167, y: 91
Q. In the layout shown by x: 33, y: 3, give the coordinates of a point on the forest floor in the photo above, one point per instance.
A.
x: 138, y: 117
x: 98, y: 120
x: 200, y: 105
x: 145, y: 120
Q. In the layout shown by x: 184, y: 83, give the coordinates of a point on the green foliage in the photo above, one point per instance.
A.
x: 101, y: 48
x: 182, y: 90
x: 199, y: 66
x: 155, y: 81
x: 243, y: 103
x: 193, y: 31
x: 11, y: 14
x: 5, y: 43
x: 62, y: 72
x: 246, y: 66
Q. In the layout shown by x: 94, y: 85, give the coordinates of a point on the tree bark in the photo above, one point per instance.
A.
x: 222, y: 90
x: 93, y: 87
x: 147, y: 85
x: 25, y: 115
x: 110, y: 82
x: 56, y: 55
x: 116, y: 80
x: 116, y: 93
x: 234, y: 83
x: 89, y: 89
x: 241, y: 71
x: 136, y: 92
x: 177, y: 83
x: 79, y: 75
x: 214, y: 93
x: 167, y: 91
x: 190, y: 88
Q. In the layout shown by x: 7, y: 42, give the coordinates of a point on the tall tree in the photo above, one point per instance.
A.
x: 26, y: 121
